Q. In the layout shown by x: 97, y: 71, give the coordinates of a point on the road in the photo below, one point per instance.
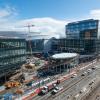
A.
x: 95, y: 93
x: 81, y: 83
x: 74, y: 90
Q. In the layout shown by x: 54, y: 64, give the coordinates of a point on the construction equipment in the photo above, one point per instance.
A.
x: 30, y: 66
x: 12, y: 84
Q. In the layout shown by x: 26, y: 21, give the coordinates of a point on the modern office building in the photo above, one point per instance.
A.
x: 35, y: 46
x: 12, y: 55
x: 40, y: 46
x: 81, y: 46
x: 81, y: 37
x: 87, y: 29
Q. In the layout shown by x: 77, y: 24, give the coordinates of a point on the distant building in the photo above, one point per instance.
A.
x: 12, y: 55
x: 40, y: 45
x: 48, y: 44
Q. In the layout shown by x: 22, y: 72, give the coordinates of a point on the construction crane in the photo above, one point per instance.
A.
x: 29, y: 27
x: 29, y: 31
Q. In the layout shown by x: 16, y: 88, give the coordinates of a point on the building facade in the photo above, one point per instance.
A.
x: 12, y: 55
x: 59, y: 64
x: 81, y: 37
x: 86, y: 29
x: 40, y: 45
x: 81, y: 46
x: 35, y: 46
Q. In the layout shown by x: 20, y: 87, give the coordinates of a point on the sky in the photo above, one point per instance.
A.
x: 48, y: 16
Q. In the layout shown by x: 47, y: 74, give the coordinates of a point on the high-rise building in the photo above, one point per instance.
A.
x: 12, y: 54
x: 87, y: 29
x: 81, y: 37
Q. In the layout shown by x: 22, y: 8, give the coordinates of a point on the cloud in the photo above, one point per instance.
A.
x: 7, y: 16
x: 7, y: 12
x: 4, y: 13
x: 95, y: 13
x: 45, y: 26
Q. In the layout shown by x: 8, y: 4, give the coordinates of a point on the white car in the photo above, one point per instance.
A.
x: 56, y: 90
x: 44, y: 90
x: 74, y: 75
x: 83, y: 74
x: 89, y: 70
x: 83, y: 90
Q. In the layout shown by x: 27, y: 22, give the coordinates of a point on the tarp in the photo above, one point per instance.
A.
x: 7, y: 96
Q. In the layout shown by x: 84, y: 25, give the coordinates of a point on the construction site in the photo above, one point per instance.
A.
x: 70, y: 63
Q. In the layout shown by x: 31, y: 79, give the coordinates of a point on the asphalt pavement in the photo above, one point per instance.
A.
x: 73, y: 90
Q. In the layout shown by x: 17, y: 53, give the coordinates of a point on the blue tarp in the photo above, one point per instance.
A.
x: 7, y: 96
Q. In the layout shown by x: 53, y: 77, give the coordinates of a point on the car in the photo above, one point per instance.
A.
x: 56, y: 90
x: 91, y: 82
x: 83, y: 90
x: 83, y: 74
x: 93, y: 68
x: 44, y: 90
x: 76, y: 96
x: 68, y: 96
x: 89, y: 70
x: 74, y: 75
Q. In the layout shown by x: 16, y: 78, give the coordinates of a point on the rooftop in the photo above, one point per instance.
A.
x: 64, y: 55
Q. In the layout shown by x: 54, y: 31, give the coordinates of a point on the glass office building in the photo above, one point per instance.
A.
x: 81, y: 46
x: 81, y: 37
x: 83, y: 29
x: 12, y: 54
x: 35, y: 46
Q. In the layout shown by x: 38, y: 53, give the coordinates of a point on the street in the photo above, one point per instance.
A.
x: 72, y: 86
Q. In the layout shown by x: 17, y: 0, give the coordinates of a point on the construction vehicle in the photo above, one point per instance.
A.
x: 12, y: 84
